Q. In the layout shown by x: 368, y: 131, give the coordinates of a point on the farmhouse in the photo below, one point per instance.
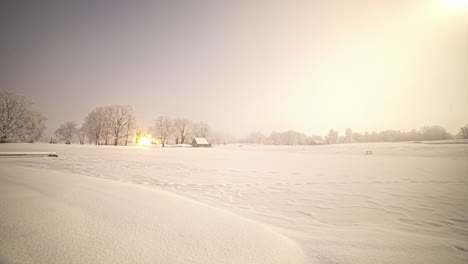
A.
x: 200, y: 142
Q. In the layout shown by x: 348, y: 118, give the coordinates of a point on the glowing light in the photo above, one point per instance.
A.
x: 145, y: 141
x: 457, y: 3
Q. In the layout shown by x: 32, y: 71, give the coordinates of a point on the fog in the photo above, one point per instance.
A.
x: 240, y: 67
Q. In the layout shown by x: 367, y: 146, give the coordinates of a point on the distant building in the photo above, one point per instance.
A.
x: 314, y: 142
x: 200, y: 142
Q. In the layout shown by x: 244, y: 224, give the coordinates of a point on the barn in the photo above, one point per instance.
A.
x: 200, y: 142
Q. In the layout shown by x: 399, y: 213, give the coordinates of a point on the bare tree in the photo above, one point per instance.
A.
x: 35, y: 127
x: 121, y: 119
x: 96, y: 124
x: 201, y: 130
x: 107, y: 126
x: 131, y: 125
x: 183, y: 126
x: 164, y: 129
x: 81, y: 134
x: 19, y: 121
x: 67, y: 132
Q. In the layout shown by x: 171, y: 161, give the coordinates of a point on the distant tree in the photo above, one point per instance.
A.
x: 358, y: 137
x: 131, y: 126
x: 19, y: 121
x: 366, y: 137
x: 342, y: 139
x: 274, y: 138
x: 302, y: 138
x: 96, y: 124
x: 434, y: 133
x: 425, y: 133
x: 256, y: 137
x: 292, y: 137
x: 463, y: 132
x: 349, y: 135
x: 221, y: 138
x: 289, y: 137
x: 81, y: 134
x: 389, y: 136
x: 120, y: 121
x: 412, y: 135
x: 201, y: 130
x: 67, y: 132
x: 374, y: 137
x: 332, y: 137
x: 35, y: 128
x: 164, y: 129
x: 182, y: 126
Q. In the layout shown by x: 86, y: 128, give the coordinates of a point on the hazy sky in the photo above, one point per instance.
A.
x: 243, y: 65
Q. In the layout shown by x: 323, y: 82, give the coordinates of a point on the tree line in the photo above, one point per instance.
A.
x: 117, y: 125
x: 178, y: 130
x: 105, y: 125
x: 426, y: 133
x: 289, y: 137
x: 20, y: 121
x: 292, y: 137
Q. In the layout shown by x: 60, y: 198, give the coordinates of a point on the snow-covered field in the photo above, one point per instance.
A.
x: 406, y: 203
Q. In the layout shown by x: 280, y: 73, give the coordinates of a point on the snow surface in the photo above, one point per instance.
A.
x: 406, y: 203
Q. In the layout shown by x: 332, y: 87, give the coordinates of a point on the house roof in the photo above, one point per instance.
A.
x: 201, y: 141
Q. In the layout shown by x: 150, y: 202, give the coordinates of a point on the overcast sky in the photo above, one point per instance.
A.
x: 243, y: 65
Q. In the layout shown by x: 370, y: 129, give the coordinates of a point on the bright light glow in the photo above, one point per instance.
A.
x: 457, y: 3
x: 145, y: 141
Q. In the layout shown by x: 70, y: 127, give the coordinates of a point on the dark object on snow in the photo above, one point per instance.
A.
x: 28, y: 154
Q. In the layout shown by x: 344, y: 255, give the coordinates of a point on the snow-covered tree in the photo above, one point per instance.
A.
x: 110, y: 124
x: 201, y: 129
x: 19, y: 121
x: 96, y: 124
x: 81, y: 134
x: 182, y: 126
x: 164, y: 129
x: 67, y: 132
x: 121, y: 119
x: 256, y: 137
